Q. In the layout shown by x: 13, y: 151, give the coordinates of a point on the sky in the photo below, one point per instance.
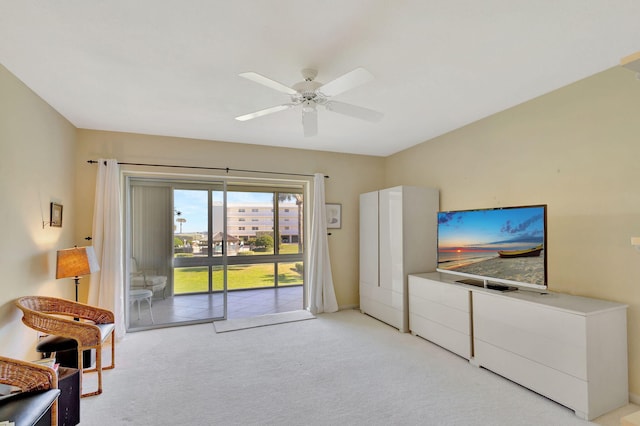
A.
x: 192, y: 204
x: 491, y: 228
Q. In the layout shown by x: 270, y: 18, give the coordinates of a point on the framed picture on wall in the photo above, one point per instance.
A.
x: 334, y: 216
x: 55, y: 215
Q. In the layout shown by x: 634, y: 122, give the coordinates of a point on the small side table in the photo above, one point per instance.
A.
x: 69, y: 399
x: 137, y: 295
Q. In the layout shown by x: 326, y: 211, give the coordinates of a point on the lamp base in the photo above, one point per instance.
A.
x: 77, y: 279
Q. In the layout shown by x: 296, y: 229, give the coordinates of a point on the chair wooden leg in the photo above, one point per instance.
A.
x: 98, y: 369
x: 113, y: 351
x: 54, y: 413
x: 80, y: 367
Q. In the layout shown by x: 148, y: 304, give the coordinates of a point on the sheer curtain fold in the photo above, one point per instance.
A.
x: 322, y: 297
x: 107, y: 285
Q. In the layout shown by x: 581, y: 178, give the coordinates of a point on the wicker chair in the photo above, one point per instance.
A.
x: 93, y: 328
x: 30, y: 377
x: 147, y: 279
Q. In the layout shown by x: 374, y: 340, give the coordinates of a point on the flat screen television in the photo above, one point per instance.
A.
x: 505, y: 246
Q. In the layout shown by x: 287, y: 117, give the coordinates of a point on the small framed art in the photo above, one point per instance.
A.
x: 334, y: 216
x: 55, y: 216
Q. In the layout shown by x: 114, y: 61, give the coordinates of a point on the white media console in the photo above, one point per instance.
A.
x: 570, y: 349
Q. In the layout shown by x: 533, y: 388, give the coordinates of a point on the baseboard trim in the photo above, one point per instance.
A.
x: 348, y: 307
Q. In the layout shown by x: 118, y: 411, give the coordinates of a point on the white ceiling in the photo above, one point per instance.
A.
x: 171, y: 67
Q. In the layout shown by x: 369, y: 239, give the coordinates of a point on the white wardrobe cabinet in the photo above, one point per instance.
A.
x: 398, y: 229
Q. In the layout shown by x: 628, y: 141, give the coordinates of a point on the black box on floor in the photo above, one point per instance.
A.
x: 65, y: 350
x: 69, y: 358
x: 69, y: 399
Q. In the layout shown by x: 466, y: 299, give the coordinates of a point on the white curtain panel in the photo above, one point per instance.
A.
x: 322, y: 297
x: 106, y: 286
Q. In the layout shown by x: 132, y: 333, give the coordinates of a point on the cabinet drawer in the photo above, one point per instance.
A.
x: 453, y: 340
x: 454, y: 319
x: 443, y: 293
x: 554, y: 338
x: 556, y: 385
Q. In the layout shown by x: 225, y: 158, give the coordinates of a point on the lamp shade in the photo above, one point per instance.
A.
x: 76, y: 261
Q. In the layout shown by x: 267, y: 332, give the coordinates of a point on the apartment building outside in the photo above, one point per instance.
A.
x: 251, y: 220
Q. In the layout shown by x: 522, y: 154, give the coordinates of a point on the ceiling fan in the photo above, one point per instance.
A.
x: 310, y: 93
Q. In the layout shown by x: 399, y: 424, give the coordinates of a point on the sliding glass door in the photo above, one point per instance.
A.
x: 197, y: 237
x: 171, y: 253
x: 217, y: 244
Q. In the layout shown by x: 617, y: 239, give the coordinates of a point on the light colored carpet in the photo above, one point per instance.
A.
x: 339, y: 369
x: 261, y: 321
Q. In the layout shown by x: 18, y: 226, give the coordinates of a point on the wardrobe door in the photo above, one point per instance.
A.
x: 368, y: 248
x: 391, y: 256
x: 391, y: 245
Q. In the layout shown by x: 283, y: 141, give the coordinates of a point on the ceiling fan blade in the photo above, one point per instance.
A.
x: 310, y: 121
x: 258, y: 78
x: 345, y: 82
x: 265, y: 111
x: 354, y: 111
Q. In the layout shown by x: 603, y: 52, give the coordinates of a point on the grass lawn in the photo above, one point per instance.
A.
x: 288, y: 249
x: 190, y: 280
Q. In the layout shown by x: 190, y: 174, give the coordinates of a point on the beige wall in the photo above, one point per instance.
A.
x: 350, y: 175
x: 577, y: 150
x: 37, y: 166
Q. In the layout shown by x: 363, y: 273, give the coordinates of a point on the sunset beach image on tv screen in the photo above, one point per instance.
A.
x: 505, y: 244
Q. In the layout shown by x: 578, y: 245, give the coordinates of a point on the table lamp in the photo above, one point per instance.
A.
x: 75, y: 262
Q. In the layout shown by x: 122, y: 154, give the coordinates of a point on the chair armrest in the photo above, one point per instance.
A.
x: 85, y: 333
x: 139, y: 274
x: 51, y: 315
x: 26, y: 375
x: 88, y: 312
x: 55, y: 306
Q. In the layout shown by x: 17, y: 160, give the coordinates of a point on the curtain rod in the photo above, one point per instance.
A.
x: 226, y: 169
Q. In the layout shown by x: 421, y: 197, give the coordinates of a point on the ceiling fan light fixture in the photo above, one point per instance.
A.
x: 310, y: 93
x: 308, y: 106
